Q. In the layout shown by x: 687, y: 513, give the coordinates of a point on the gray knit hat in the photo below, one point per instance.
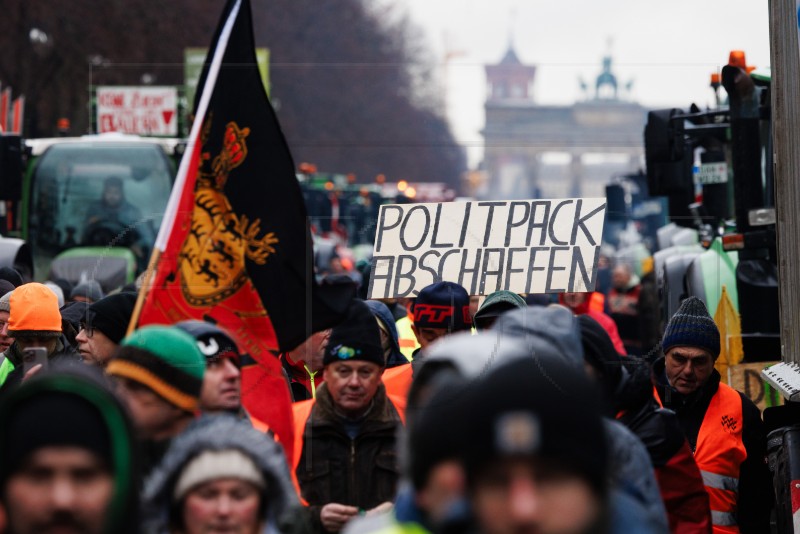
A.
x: 692, y: 326
x: 5, y: 302
x: 89, y: 289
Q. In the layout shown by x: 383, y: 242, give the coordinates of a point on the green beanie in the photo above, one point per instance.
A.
x: 165, y: 359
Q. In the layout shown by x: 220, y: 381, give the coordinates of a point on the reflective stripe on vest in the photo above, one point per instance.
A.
x: 723, y: 519
x: 719, y: 454
x: 713, y: 480
x: 5, y: 369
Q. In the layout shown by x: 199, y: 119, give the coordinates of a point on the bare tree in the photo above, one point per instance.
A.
x: 352, y: 83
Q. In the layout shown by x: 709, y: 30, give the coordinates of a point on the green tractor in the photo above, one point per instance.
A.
x: 86, y: 207
x: 715, y: 168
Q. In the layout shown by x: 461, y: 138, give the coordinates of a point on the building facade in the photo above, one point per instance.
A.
x: 596, y: 138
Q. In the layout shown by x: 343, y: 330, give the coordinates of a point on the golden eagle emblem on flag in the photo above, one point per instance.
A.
x: 212, y: 259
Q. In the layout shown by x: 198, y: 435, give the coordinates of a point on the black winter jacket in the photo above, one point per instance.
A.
x: 656, y: 427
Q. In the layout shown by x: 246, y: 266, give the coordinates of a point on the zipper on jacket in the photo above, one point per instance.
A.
x: 311, y: 376
x: 353, y: 492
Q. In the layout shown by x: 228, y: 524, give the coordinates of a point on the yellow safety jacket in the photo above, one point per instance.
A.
x: 406, y: 338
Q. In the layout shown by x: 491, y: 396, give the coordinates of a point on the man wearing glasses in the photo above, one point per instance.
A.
x: 103, y: 328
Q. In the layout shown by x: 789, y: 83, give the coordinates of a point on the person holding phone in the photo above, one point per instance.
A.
x: 35, y: 323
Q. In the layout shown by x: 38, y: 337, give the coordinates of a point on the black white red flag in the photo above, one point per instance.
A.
x: 235, y: 245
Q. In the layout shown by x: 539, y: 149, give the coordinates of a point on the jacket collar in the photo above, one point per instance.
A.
x: 297, y: 369
x: 381, y: 412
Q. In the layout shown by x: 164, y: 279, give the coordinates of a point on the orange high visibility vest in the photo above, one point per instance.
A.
x: 597, y: 302
x: 719, y: 454
x: 398, y: 380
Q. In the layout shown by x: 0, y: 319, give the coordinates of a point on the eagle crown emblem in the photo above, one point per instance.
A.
x: 212, y: 260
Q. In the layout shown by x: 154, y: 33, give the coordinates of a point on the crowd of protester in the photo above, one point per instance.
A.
x: 443, y: 413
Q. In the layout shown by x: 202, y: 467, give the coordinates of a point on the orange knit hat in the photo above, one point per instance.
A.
x: 34, y: 312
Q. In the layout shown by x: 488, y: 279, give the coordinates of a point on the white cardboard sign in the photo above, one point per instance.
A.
x: 524, y: 246
x: 137, y: 110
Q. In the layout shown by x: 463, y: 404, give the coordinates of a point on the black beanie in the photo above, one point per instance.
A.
x: 74, y: 313
x: 11, y: 275
x: 53, y: 418
x: 431, y: 436
x: 356, y: 338
x: 5, y: 287
x: 540, y: 407
x: 111, y: 315
x: 64, y: 284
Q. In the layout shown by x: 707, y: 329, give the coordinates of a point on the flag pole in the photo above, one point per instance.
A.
x: 146, y: 284
x: 183, y: 170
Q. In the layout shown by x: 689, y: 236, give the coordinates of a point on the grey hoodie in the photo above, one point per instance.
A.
x: 629, y: 463
x: 543, y: 333
x: 220, y: 432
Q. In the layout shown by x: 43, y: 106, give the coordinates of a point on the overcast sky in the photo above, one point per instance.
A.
x: 668, y: 48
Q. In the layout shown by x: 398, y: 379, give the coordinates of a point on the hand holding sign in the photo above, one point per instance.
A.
x: 525, y: 246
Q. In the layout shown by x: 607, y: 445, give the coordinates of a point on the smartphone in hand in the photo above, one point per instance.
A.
x: 33, y: 357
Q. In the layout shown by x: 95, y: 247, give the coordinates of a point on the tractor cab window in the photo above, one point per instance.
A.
x: 98, y: 195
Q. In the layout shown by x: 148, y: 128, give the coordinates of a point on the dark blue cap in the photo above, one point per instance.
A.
x: 442, y: 305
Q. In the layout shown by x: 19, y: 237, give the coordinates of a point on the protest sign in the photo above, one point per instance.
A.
x: 524, y: 246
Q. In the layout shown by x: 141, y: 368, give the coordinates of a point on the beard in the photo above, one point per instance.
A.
x: 60, y: 521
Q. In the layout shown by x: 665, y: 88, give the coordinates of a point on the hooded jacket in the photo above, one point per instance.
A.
x: 382, y: 313
x: 635, y: 505
x: 220, y: 432
x: 87, y: 383
x: 631, y: 472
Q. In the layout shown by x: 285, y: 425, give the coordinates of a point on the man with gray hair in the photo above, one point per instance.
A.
x: 723, y: 426
x: 5, y: 308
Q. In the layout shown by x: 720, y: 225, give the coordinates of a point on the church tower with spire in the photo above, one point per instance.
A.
x: 510, y: 79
